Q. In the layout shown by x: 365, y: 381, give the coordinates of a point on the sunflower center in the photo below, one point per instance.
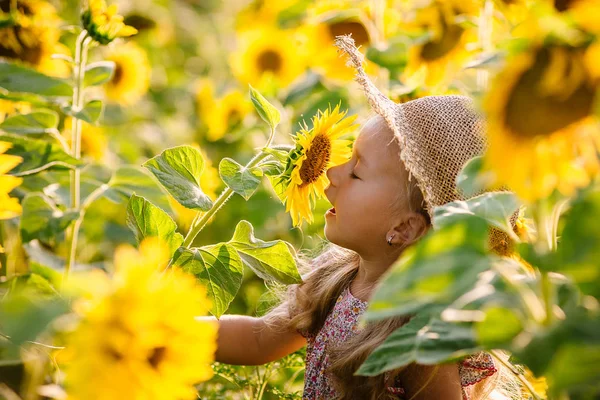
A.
x: 317, y: 159
x: 529, y: 112
x: 449, y: 39
x: 158, y: 354
x: 358, y: 31
x: 21, y: 6
x: 563, y: 5
x: 269, y: 61
x: 118, y: 76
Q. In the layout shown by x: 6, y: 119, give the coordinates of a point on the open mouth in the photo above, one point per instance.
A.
x: 331, y: 211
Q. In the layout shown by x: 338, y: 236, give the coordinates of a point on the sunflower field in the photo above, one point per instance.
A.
x: 163, y: 160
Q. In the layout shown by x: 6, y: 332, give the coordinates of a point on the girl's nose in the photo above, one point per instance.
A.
x: 332, y: 174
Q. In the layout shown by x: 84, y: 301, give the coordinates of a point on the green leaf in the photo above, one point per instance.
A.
x: 392, y: 57
x: 575, y: 367
x: 147, y: 220
x: 98, y: 73
x: 42, y: 219
x: 578, y: 253
x: 435, y: 272
x: 496, y: 208
x: 16, y: 78
x: 219, y: 268
x: 179, y: 169
x: 269, y: 260
x: 238, y: 178
x: 423, y: 340
x: 38, y: 155
x: 472, y: 180
x: 499, y: 327
x: 39, y: 121
x: 266, y: 110
x: 90, y: 113
x: 129, y: 179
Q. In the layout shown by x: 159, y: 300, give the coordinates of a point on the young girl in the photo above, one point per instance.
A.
x: 405, y: 161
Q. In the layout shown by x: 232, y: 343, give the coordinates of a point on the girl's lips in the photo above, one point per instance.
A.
x: 331, y: 211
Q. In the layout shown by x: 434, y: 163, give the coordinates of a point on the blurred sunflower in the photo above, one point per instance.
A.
x: 31, y: 35
x: 540, y: 112
x: 267, y: 58
x: 539, y: 385
x: 222, y: 114
x: 93, y: 139
x: 138, y: 336
x: 8, y: 107
x: 132, y: 74
x: 442, y: 51
x: 103, y: 23
x: 210, y: 182
x: 317, y: 150
x: 9, y: 207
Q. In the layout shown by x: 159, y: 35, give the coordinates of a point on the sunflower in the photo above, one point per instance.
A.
x: 103, y: 23
x: 9, y: 207
x: 8, y: 107
x: 540, y: 112
x: 222, y: 114
x: 31, y: 35
x: 210, y: 182
x: 138, y: 336
x: 93, y: 139
x: 539, y: 385
x: 267, y: 58
x: 443, y: 51
x: 317, y: 149
x: 132, y: 74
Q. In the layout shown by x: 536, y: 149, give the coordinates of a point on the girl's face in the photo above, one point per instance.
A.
x: 368, y: 193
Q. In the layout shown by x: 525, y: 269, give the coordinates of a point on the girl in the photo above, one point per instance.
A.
x: 404, y: 162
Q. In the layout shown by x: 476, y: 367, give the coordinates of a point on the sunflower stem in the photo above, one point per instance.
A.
x: 201, y: 219
x: 81, y: 47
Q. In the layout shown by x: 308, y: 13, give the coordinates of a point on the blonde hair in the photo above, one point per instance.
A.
x: 305, y: 308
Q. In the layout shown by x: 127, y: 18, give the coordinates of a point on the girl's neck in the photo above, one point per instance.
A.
x: 369, y: 272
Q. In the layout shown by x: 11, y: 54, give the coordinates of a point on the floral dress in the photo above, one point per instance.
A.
x: 340, y: 325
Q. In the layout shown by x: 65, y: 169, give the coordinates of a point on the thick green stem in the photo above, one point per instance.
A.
x: 201, y: 219
x: 77, y: 104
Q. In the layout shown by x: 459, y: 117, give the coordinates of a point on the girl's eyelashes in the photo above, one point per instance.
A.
x: 353, y: 175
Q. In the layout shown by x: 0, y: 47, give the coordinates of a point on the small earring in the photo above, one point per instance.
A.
x: 389, y: 241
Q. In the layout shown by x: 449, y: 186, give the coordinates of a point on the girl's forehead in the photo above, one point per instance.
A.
x: 375, y: 144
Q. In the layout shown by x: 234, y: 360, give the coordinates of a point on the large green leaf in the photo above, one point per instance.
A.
x: 129, y: 179
x: 16, y: 78
x: 179, y: 169
x: 266, y: 110
x: 269, y: 260
x: 98, y: 73
x: 578, y: 253
x: 39, y: 121
x: 436, y: 271
x: 496, y: 208
x: 42, y: 219
x: 499, y: 326
x: 393, y: 56
x: 244, y: 181
x: 576, y: 368
x: 38, y: 155
x: 147, y: 220
x: 217, y: 267
x: 423, y: 340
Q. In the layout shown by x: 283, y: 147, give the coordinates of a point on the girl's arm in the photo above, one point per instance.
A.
x: 251, y: 341
x: 427, y: 382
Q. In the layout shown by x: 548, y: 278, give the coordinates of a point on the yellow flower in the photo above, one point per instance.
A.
x: 210, y: 182
x: 268, y: 57
x: 138, y: 337
x: 524, y: 227
x: 103, y: 24
x: 8, y: 107
x: 222, y: 114
x: 317, y: 150
x: 93, y: 139
x: 31, y: 35
x: 540, y: 114
x: 132, y: 74
x: 9, y: 207
x: 444, y: 52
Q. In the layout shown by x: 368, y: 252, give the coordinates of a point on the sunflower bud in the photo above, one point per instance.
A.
x: 103, y: 23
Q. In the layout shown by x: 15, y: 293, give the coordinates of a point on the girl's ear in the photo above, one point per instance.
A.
x: 409, y: 230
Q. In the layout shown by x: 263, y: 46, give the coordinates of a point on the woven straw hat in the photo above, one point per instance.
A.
x: 437, y: 135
